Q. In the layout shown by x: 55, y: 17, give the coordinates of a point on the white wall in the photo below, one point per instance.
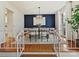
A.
x: 1, y: 22
x: 18, y: 19
x: 68, y: 26
x: 67, y: 10
x: 58, y: 21
x: 64, y: 10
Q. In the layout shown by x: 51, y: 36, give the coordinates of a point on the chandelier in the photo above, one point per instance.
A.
x: 39, y: 18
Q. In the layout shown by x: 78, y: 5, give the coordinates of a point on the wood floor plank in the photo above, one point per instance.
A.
x: 8, y: 50
x: 39, y: 48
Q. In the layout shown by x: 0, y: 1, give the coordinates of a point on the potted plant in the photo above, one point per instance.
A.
x: 75, y: 20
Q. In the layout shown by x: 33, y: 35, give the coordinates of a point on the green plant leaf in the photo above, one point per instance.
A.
x: 75, y: 18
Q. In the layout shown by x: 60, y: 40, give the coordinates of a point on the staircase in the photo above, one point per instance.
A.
x: 38, y: 50
x: 32, y: 50
x: 72, y: 46
x: 8, y: 47
x: 8, y: 50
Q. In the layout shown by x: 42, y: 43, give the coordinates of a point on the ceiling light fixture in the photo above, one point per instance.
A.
x: 39, y: 19
x: 39, y: 16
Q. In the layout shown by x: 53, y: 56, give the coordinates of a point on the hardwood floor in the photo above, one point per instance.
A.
x: 8, y: 50
x: 39, y: 48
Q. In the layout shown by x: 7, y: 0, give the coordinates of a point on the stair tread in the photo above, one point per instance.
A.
x: 39, y: 48
x: 38, y: 55
x: 8, y: 49
x: 31, y: 48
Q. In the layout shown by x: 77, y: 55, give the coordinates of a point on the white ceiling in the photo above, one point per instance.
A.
x: 31, y: 7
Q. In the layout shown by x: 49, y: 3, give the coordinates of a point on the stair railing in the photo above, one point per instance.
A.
x: 60, y: 42
x: 20, y: 43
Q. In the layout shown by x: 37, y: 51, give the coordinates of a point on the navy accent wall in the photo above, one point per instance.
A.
x: 50, y: 21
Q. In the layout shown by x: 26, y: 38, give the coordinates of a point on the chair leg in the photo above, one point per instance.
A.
x: 47, y: 37
x: 41, y: 39
x: 35, y: 38
x: 30, y: 37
